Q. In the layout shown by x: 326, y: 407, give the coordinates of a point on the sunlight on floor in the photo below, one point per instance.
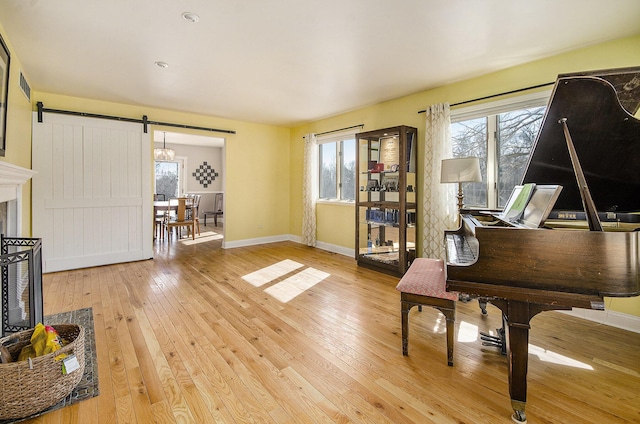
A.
x: 555, y: 358
x: 204, y: 237
x: 440, y: 325
x: 297, y: 284
x: 272, y: 272
x: 289, y: 288
x: 467, y: 332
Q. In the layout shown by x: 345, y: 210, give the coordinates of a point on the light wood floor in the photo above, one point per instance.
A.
x: 183, y: 338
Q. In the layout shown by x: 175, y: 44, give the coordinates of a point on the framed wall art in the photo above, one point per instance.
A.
x: 205, y: 174
x: 4, y: 94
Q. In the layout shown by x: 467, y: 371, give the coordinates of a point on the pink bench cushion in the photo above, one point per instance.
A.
x: 426, y: 277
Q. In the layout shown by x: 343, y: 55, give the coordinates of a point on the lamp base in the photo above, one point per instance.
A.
x: 460, y: 197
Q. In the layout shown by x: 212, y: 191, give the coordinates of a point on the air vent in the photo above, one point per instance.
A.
x: 24, y: 85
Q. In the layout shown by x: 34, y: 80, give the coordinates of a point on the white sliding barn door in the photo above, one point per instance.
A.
x: 91, y: 195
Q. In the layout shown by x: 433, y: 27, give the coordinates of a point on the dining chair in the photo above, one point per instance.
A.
x: 195, y: 211
x: 217, y: 209
x: 181, y: 219
x: 158, y: 221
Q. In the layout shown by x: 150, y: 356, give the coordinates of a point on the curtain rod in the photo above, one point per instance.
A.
x: 144, y: 121
x: 498, y: 95
x: 341, y: 129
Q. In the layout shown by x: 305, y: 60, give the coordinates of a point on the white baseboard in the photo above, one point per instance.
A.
x: 289, y: 237
x: 611, y: 318
x: 333, y: 248
x: 253, y: 242
x: 341, y: 250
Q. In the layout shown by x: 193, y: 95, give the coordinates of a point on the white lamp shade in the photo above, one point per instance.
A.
x: 164, y: 154
x: 460, y: 170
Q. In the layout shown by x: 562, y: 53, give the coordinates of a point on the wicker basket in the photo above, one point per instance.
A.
x: 26, y: 390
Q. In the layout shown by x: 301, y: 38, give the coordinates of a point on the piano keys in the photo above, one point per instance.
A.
x: 526, y: 271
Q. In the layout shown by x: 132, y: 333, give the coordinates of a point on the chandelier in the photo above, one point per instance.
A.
x: 164, y: 153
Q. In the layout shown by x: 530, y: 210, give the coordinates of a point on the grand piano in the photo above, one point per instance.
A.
x: 589, y: 247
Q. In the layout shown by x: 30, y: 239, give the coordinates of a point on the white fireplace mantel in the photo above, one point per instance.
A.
x: 12, y: 178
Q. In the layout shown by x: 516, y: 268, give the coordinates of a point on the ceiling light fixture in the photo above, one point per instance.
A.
x: 162, y: 64
x: 190, y: 17
x: 164, y: 153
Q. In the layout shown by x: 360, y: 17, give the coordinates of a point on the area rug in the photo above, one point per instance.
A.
x: 88, y: 386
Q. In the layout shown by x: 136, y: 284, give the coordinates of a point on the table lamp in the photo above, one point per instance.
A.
x: 460, y: 170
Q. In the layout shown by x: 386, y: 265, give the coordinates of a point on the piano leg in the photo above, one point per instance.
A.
x: 517, y: 315
x: 517, y: 340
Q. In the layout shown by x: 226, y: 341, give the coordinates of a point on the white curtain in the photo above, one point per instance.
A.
x: 438, y: 201
x: 309, y: 189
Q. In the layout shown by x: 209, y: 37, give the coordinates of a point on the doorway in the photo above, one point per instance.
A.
x: 198, y: 168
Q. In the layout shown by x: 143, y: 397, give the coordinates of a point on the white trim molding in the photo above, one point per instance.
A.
x: 12, y: 177
x: 540, y: 98
x: 610, y: 318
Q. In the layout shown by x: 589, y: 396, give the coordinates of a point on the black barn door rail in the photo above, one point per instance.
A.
x: 144, y: 121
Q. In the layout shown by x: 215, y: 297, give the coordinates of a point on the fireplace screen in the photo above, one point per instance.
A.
x: 21, y: 266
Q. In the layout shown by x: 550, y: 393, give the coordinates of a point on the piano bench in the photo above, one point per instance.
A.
x: 424, y: 283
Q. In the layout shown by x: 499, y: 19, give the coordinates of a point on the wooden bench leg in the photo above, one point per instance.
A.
x: 450, y: 333
x: 446, y: 307
x: 450, y: 315
x: 405, y: 308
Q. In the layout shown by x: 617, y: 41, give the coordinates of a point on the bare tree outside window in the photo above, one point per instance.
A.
x: 515, y: 133
x: 167, y: 178
x: 348, y: 170
x: 328, y: 171
x: 469, y: 138
x: 338, y: 170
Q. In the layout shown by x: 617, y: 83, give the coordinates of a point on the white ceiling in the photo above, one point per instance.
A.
x: 285, y: 62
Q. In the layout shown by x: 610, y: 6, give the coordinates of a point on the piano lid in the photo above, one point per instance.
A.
x: 606, y: 137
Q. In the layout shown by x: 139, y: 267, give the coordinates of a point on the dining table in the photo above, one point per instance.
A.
x: 164, y: 205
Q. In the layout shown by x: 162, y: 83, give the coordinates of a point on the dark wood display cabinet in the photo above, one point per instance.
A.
x: 386, y: 210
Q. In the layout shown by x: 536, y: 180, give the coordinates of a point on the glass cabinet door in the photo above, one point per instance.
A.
x: 386, y: 200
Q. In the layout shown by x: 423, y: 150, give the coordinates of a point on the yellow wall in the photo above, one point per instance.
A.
x: 18, y: 136
x: 403, y: 111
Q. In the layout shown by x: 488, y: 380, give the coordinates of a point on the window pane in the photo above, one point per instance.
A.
x: 469, y: 138
x: 328, y: 169
x: 167, y: 174
x: 348, y: 170
x: 517, y: 132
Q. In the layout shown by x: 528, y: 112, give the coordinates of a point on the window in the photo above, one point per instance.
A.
x: 501, y: 135
x: 517, y: 131
x: 337, y: 165
x: 168, y: 178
